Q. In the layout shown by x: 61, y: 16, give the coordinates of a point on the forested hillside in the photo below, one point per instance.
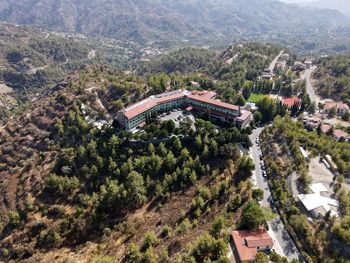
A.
x: 32, y: 60
x: 333, y: 76
x: 228, y: 72
x: 68, y: 186
x: 145, y: 21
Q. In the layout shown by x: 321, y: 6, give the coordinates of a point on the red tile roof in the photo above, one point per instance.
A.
x: 325, y: 128
x: 330, y: 105
x: 290, y: 102
x: 248, y: 241
x: 340, y: 134
x: 214, y: 102
x: 337, y: 106
x: 139, y: 108
x: 343, y: 106
x: 202, y: 96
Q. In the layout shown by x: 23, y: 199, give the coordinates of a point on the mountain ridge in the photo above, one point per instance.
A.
x: 167, y: 21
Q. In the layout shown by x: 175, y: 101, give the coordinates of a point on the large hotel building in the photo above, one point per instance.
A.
x: 137, y: 114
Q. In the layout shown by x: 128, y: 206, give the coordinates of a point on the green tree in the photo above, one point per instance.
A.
x: 258, y: 194
x: 208, y: 248
x: 268, y: 108
x: 134, y: 253
x: 135, y: 187
x: 14, y: 218
x: 253, y: 217
x: 151, y: 240
x: 245, y: 167
x: 261, y: 257
x: 217, y: 225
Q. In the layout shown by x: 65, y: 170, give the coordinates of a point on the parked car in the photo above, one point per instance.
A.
x: 264, y: 174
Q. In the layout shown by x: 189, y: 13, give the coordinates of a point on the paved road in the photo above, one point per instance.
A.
x: 309, y: 88
x: 283, y: 244
x: 273, y: 63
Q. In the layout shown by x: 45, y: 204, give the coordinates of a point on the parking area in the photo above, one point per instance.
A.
x: 320, y: 173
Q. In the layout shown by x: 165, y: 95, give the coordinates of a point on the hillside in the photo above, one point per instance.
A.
x: 333, y: 77
x: 72, y: 192
x: 340, y: 5
x: 32, y: 60
x: 168, y: 21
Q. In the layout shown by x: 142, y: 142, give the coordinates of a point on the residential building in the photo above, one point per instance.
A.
x: 299, y: 66
x: 325, y: 128
x: 308, y: 63
x: 247, y: 243
x: 312, y: 123
x: 203, y: 101
x: 285, y: 56
x: 266, y: 76
x: 340, y: 108
x: 280, y: 65
x: 340, y: 135
x: 290, y: 102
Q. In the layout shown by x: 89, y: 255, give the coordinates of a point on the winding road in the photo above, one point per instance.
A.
x: 309, y: 88
x: 283, y: 244
x: 274, y: 61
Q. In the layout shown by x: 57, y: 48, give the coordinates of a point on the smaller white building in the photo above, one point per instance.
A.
x: 318, y: 203
x: 304, y: 153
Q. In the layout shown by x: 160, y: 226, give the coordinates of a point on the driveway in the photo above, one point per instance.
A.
x: 283, y: 244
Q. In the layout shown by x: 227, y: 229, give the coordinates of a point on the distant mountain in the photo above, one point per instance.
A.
x: 167, y: 20
x: 340, y: 5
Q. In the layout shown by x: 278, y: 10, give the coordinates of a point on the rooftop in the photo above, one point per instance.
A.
x: 244, y: 116
x: 152, y: 101
x: 248, y: 241
x: 325, y: 128
x: 340, y: 134
x: 290, y: 102
x: 214, y: 102
x: 202, y: 96
x: 335, y: 105
x: 316, y: 200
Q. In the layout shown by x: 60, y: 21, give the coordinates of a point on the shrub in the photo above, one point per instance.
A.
x: 151, y: 240
x: 107, y: 232
x: 167, y: 231
x: 134, y: 253
x: 105, y: 259
x: 207, y: 249
x: 184, y: 227
x: 56, y: 211
x: 14, y: 218
x: 217, y: 225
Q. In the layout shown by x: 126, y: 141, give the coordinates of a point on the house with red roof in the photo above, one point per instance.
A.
x: 340, y: 135
x: 290, y: 102
x: 325, y: 128
x: 340, y: 108
x: 247, y: 243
